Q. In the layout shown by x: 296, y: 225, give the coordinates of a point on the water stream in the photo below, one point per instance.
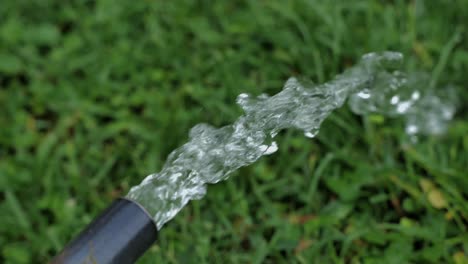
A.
x: 374, y: 85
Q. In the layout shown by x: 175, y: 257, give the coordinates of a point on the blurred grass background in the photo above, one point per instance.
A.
x: 95, y: 94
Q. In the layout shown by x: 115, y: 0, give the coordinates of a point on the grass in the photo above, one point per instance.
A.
x: 95, y: 94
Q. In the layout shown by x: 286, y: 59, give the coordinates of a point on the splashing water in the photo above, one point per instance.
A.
x: 373, y: 85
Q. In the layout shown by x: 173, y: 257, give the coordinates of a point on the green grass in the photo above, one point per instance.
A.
x: 94, y: 95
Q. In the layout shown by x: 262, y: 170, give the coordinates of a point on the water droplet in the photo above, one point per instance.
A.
x: 267, y: 150
x: 403, y: 107
x: 242, y: 99
x: 311, y: 133
x: 412, y: 129
x: 364, y: 94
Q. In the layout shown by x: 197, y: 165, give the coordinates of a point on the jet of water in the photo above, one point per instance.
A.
x: 373, y: 85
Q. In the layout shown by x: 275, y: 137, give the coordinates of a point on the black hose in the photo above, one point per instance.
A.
x: 120, y: 235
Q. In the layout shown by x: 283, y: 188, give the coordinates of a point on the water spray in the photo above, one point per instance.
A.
x: 374, y: 85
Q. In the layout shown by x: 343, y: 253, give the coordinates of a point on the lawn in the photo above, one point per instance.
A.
x: 95, y: 94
